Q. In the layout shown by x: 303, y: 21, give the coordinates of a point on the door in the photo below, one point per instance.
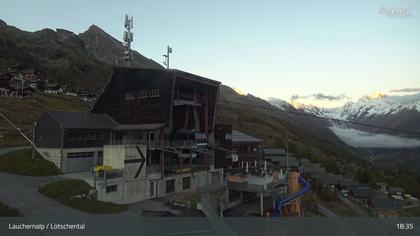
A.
x: 80, y: 161
x: 152, y: 189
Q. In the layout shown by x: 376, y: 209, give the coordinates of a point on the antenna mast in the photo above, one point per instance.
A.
x: 166, y: 56
x: 128, y: 38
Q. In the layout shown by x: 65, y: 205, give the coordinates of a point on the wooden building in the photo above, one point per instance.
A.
x: 172, y: 110
x: 73, y: 141
x: 385, y: 207
x: 245, y: 148
x: 158, y: 134
x: 223, y: 154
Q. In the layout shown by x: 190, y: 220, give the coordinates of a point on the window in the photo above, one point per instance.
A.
x: 142, y: 94
x: 71, y: 135
x: 170, y: 186
x: 152, y: 189
x: 111, y: 188
x: 92, y: 136
x: 154, y: 93
x: 129, y: 96
x: 79, y: 136
x: 228, y: 136
x: 186, y: 183
x: 80, y: 155
x: 136, y: 95
x: 98, y: 136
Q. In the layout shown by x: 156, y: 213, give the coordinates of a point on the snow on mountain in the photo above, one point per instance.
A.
x: 377, y: 105
x: 311, y: 109
x: 370, y: 106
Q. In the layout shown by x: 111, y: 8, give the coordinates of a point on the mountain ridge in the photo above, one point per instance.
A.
x: 64, y: 56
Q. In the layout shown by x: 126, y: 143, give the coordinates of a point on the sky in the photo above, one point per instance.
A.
x: 319, y: 52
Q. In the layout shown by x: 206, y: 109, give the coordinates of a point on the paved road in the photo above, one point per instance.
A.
x: 10, y: 149
x: 21, y: 192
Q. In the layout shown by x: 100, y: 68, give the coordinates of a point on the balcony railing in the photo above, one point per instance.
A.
x: 161, y: 143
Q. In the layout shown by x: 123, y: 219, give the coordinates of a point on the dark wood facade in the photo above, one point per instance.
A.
x: 52, y: 133
x: 223, y: 135
x: 127, y: 98
x: 181, y: 104
x: 180, y: 100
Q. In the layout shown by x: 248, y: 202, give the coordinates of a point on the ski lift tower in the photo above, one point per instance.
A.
x: 128, y: 38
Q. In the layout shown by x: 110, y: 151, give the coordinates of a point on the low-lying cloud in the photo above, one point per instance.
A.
x: 406, y: 90
x: 358, y: 138
x: 319, y: 96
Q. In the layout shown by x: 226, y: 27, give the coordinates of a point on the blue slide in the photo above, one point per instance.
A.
x: 282, y: 201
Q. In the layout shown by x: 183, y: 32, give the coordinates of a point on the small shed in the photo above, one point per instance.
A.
x: 385, y: 207
x: 396, y: 190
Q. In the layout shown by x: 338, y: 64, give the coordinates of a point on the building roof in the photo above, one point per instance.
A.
x: 194, y: 77
x: 385, y: 204
x: 239, y: 137
x: 274, y: 152
x: 305, y: 162
x: 396, y: 189
x: 328, y: 179
x: 284, y: 161
x: 381, y: 184
x: 139, y: 127
x: 362, y: 192
x: 347, y: 182
x: 83, y: 120
x: 311, y: 168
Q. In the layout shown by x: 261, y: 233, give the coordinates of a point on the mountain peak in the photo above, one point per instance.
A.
x: 94, y: 27
x: 297, y: 104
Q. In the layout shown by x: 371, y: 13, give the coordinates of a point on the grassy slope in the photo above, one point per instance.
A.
x: 24, y: 112
x: 65, y: 191
x: 20, y: 162
x: 6, y: 211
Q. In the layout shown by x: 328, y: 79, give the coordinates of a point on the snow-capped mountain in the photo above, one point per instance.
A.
x: 310, y: 109
x: 401, y: 112
x: 376, y: 106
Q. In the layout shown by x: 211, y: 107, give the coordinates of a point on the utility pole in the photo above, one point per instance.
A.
x: 21, y: 79
x: 287, y: 151
x: 33, y: 142
x: 17, y: 129
x: 166, y: 56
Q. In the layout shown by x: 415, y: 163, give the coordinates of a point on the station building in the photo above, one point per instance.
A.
x: 154, y: 127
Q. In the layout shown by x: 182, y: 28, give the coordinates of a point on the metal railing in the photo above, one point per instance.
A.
x: 246, y: 187
x: 159, y: 143
x: 216, y: 221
